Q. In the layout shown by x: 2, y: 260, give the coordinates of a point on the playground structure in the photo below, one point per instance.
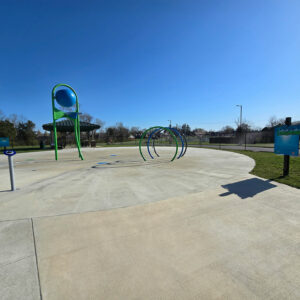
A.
x: 154, y: 132
x: 66, y: 98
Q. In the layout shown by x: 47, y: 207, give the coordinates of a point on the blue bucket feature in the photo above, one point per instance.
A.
x: 65, y: 98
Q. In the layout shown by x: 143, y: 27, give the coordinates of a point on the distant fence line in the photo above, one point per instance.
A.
x: 245, y: 137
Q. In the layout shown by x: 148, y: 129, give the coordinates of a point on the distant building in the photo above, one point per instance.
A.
x: 131, y: 138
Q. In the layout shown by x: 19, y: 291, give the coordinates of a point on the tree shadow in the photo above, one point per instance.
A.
x: 247, y: 188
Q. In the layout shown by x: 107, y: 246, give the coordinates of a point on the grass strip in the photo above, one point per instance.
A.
x: 270, y: 166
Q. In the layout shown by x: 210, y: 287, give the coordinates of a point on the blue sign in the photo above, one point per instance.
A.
x: 4, y: 142
x: 286, y: 142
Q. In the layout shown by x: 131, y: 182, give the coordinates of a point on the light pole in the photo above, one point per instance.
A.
x: 170, y: 123
x: 241, y: 114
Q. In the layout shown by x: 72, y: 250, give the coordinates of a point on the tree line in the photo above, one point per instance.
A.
x: 22, y: 132
x: 19, y: 130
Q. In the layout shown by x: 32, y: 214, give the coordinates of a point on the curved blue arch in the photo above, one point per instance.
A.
x: 153, y: 146
x: 175, y: 131
x: 182, y: 142
x: 186, y: 145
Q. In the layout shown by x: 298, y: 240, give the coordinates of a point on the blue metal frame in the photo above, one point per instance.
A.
x: 160, y: 129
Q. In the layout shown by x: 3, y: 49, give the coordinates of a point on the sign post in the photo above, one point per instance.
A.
x: 10, y: 154
x: 286, y: 161
x: 287, y: 142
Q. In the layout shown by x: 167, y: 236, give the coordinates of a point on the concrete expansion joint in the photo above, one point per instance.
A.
x: 36, y: 259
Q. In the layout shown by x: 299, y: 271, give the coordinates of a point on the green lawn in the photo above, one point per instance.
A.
x: 269, y: 145
x: 270, y: 166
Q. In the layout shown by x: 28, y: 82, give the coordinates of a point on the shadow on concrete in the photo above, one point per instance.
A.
x: 247, y: 188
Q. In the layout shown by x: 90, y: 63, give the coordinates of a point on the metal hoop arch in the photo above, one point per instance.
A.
x: 153, y: 145
x: 156, y: 127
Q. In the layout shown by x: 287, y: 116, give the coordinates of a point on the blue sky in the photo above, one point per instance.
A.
x: 145, y: 62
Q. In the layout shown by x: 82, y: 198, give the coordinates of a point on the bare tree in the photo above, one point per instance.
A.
x: 246, y: 126
x: 17, y: 119
x: 135, y: 131
x: 186, y: 129
x: 100, y: 123
x: 122, y: 132
x: 85, y: 117
x: 227, y: 129
x: 273, y: 121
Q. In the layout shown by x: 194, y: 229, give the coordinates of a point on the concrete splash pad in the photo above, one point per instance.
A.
x: 110, y: 178
x: 198, y: 228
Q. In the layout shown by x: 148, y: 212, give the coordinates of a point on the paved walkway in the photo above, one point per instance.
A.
x: 198, y: 228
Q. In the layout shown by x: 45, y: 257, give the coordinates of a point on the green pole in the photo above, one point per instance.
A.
x: 77, y: 136
x: 77, y: 141
x: 78, y: 127
x: 156, y: 127
x: 54, y: 123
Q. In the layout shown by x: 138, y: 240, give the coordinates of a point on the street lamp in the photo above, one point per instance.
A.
x: 170, y: 123
x: 241, y: 113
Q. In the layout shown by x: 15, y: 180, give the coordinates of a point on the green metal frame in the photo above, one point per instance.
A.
x: 156, y: 127
x: 58, y: 114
